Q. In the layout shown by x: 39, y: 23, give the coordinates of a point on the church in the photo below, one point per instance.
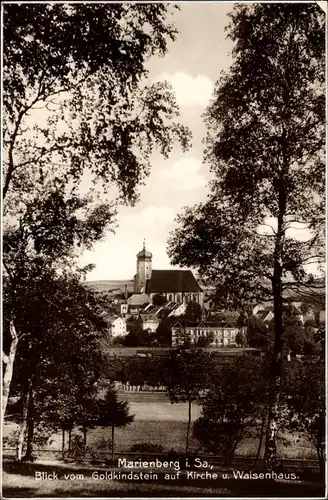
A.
x: 175, y: 284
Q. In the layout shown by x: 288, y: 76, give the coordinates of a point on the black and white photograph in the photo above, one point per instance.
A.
x: 163, y: 232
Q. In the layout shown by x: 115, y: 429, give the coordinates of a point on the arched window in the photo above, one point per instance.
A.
x: 178, y: 298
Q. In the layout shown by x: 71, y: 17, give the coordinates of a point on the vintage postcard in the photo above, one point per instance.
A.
x: 163, y: 272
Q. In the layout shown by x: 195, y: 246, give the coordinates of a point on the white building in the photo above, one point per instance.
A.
x: 221, y: 336
x: 117, y: 326
x: 149, y: 322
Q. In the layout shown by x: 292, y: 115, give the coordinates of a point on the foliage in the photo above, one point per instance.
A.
x: 305, y: 398
x: 164, y: 333
x: 75, y: 105
x: 83, y: 66
x: 135, y: 370
x: 114, y: 413
x: 137, y: 336
x: 58, y: 360
x: 257, y: 333
x: 193, y: 313
x: 231, y: 406
x: 159, y: 300
x: 187, y: 373
x: 240, y: 339
x: 205, y: 340
x: 265, y: 145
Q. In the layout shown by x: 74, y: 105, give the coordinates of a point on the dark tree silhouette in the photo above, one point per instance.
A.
x: 114, y: 413
x: 265, y: 145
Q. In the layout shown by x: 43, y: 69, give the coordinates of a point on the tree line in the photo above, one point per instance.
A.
x: 234, y: 397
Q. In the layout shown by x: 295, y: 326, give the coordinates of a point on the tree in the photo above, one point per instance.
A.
x: 240, y: 339
x: 59, y: 354
x: 257, y: 333
x: 186, y: 374
x: 75, y: 102
x: 140, y: 371
x: 136, y: 335
x: 114, y: 413
x: 206, y: 340
x: 305, y: 398
x: 83, y: 66
x: 265, y: 145
x: 159, y: 300
x: 164, y: 332
x: 193, y: 313
x: 231, y: 407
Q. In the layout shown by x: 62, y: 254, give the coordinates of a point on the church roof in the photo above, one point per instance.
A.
x: 172, y: 281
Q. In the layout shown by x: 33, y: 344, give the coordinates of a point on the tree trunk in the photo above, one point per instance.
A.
x: 28, y: 457
x: 113, y: 429
x: 63, y: 442
x: 9, y: 362
x: 320, y: 454
x: 23, y: 425
x: 275, y: 371
x: 30, y: 429
x: 84, y: 440
x: 261, y: 439
x: 69, y: 440
x: 321, y: 445
x: 188, y: 428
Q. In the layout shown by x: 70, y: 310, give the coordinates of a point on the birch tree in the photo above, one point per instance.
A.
x: 77, y: 105
x: 265, y: 146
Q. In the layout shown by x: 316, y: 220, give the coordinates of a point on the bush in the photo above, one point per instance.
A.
x: 147, y: 448
x: 77, y: 447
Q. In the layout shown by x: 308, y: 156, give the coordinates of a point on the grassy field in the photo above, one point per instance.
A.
x: 172, y: 435
x: 158, y: 421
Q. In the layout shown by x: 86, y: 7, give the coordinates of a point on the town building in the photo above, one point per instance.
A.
x: 149, y: 322
x: 219, y: 335
x: 137, y: 302
x: 117, y: 326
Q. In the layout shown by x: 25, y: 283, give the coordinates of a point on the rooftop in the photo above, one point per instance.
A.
x: 172, y: 281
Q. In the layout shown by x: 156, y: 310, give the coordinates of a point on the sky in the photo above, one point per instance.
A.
x: 192, y: 65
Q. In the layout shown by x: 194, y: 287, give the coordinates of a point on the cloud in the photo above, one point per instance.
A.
x: 189, y: 90
x: 185, y: 175
x: 115, y: 258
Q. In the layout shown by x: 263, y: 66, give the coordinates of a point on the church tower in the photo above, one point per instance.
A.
x: 144, y: 259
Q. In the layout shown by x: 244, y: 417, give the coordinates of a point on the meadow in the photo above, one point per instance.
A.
x: 160, y: 422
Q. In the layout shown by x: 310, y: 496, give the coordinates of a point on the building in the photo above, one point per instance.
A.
x: 117, y: 326
x: 174, y: 284
x: 124, y: 307
x: 149, y: 322
x: 137, y: 302
x: 220, y: 335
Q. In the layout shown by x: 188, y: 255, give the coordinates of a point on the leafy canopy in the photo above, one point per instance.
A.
x: 265, y: 146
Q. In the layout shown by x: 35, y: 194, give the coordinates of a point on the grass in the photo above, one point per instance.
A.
x: 163, y: 423
x: 172, y: 434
